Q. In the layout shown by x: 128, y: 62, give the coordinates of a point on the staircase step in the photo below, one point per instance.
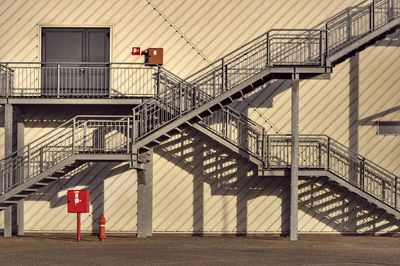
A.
x: 41, y: 184
x: 30, y: 190
x: 51, y: 178
x: 19, y: 196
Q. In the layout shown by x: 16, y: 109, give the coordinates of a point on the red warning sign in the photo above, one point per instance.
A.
x: 78, y: 201
x: 135, y: 50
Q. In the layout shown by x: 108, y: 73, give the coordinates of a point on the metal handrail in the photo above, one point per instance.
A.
x: 78, y: 79
x: 80, y: 135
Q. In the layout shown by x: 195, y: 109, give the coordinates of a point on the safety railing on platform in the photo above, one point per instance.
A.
x: 356, y: 22
x: 78, y: 80
x: 80, y: 135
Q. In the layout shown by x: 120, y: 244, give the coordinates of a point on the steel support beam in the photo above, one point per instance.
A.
x: 145, y: 199
x: 19, y: 212
x: 294, y: 169
x: 8, y: 222
x: 8, y: 148
x: 149, y: 195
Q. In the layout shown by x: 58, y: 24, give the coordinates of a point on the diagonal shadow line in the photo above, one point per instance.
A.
x: 369, y: 120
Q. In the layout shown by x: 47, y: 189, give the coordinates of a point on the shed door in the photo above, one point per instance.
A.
x: 65, y: 50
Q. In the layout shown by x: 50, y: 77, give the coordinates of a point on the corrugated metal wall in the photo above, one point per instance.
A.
x: 198, y: 185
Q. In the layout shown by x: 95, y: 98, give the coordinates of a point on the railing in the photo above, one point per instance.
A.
x: 297, y: 47
x: 356, y: 22
x: 179, y: 99
x: 237, y: 129
x: 80, y: 135
x: 322, y: 152
x: 78, y: 80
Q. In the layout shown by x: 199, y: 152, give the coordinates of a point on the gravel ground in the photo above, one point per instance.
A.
x: 188, y: 250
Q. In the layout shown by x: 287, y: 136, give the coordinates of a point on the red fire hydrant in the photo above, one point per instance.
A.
x: 102, y: 227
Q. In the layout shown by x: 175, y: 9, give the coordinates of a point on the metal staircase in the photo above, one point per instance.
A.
x: 277, y: 54
x: 79, y: 140
x: 319, y: 155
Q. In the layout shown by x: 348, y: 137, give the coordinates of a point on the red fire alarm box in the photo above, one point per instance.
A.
x: 78, y: 201
x: 135, y: 50
x: 154, y: 56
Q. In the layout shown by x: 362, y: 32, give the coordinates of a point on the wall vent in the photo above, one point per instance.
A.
x: 388, y: 128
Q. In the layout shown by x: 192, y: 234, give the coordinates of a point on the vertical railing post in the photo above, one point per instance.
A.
x: 127, y: 136
x: 223, y: 75
x: 180, y: 99
x: 226, y: 123
x: 268, y: 51
x: 349, y: 29
x: 41, y: 158
x: 133, y: 126
x: 320, y: 155
x: 328, y: 154
x: 383, y: 190
x: 362, y: 173
x: 29, y: 162
x: 84, y: 136
x: 73, y: 134
x: 226, y: 77
x: 396, y: 186
x: 309, y: 46
x: 389, y: 10
x: 321, y: 48
x: 263, y: 146
x: 158, y: 80
x: 268, y: 152
x: 372, y: 16
x: 58, y: 80
x: 213, y: 84
x: 326, y: 43
x: 7, y: 88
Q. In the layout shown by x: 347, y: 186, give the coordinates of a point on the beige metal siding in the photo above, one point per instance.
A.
x: 199, y: 185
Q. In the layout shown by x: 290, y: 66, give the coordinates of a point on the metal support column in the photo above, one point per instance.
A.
x: 8, y: 147
x: 8, y: 222
x: 149, y: 195
x: 145, y: 199
x: 294, y: 169
x: 20, y: 205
